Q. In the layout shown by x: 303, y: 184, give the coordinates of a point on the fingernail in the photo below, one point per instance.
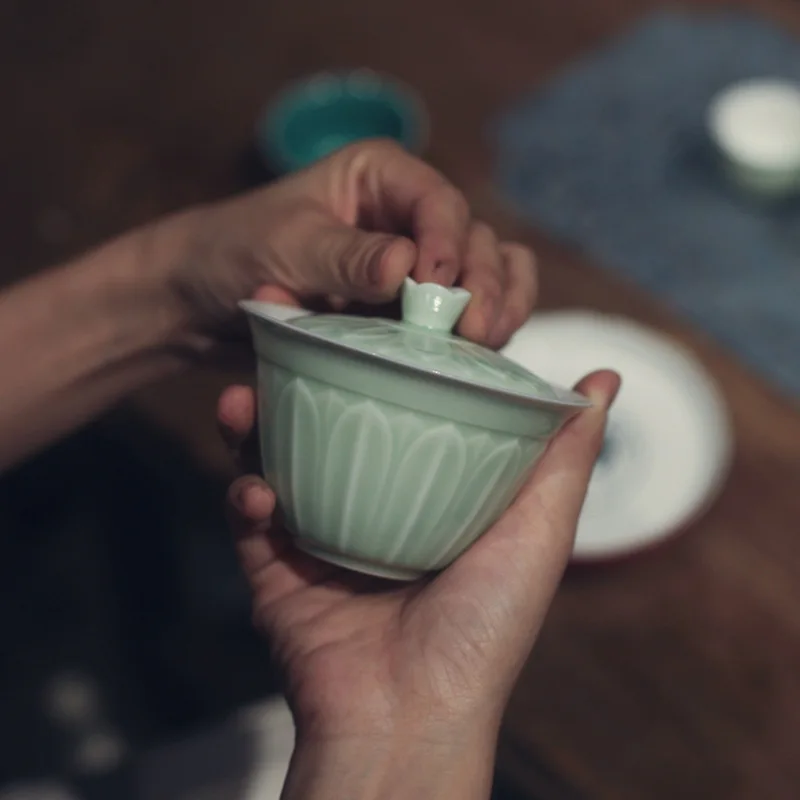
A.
x: 604, y: 398
x: 445, y: 272
x: 240, y: 498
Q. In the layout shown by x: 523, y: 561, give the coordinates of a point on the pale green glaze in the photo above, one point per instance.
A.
x: 423, y: 340
x: 427, y: 306
x: 371, y: 480
x: 388, y: 468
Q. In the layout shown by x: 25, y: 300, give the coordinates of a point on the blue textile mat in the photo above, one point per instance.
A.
x: 612, y: 156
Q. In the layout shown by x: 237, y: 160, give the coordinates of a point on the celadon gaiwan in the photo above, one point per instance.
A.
x: 392, y: 446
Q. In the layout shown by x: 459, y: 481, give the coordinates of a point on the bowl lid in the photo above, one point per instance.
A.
x: 423, y: 342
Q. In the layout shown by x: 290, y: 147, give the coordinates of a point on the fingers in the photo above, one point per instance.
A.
x: 519, y: 297
x: 271, y: 564
x: 350, y: 243
x: 274, y: 568
x: 277, y: 295
x: 485, y: 277
x: 503, y: 282
x: 550, y: 505
x: 236, y: 415
x: 236, y: 419
x: 441, y: 228
x: 401, y: 193
x: 371, y: 268
x: 521, y: 559
x: 359, y: 265
x: 249, y: 508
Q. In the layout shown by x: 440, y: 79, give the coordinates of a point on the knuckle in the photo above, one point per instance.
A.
x: 450, y: 195
x: 483, y: 232
x: 515, y: 251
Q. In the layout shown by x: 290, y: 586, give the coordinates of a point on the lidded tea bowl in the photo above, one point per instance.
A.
x: 392, y: 446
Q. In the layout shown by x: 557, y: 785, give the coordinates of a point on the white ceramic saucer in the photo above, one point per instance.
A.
x: 668, y: 443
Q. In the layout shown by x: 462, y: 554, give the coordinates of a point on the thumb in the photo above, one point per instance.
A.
x: 518, y: 563
x: 363, y: 266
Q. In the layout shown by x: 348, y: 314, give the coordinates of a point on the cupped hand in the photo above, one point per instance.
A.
x: 351, y: 228
x: 363, y: 656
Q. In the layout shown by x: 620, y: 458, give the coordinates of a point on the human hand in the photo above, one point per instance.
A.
x: 372, y: 666
x: 349, y: 228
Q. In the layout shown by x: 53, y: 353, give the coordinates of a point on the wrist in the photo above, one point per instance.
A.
x: 116, y: 298
x: 162, y: 264
x: 208, y: 265
x: 94, y: 330
x: 457, y: 764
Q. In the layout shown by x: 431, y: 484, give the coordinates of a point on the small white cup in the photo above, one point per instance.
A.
x: 755, y: 126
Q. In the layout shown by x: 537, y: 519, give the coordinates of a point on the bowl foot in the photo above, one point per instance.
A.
x: 357, y: 564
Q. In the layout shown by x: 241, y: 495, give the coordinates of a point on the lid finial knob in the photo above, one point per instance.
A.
x: 431, y: 306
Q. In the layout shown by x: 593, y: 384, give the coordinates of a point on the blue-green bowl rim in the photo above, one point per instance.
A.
x: 406, y: 101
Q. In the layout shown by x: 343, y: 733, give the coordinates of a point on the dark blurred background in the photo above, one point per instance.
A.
x: 115, y: 568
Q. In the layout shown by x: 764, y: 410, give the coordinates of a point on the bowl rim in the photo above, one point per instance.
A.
x: 567, y: 399
x: 406, y: 101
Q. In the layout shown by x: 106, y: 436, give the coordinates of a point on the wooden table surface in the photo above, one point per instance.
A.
x: 674, y: 675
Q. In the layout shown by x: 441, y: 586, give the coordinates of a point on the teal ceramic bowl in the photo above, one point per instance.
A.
x: 321, y: 114
x: 392, y: 446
